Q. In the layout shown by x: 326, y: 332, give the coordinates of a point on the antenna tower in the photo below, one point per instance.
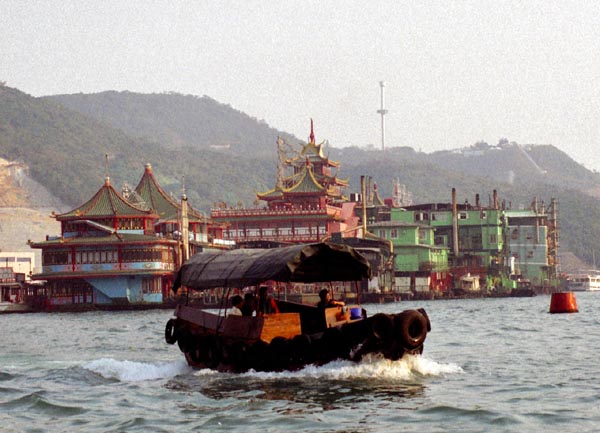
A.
x: 383, y: 112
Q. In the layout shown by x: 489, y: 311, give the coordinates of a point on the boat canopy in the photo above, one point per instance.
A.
x: 239, y: 268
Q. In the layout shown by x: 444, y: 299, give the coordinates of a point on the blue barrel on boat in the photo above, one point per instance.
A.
x: 355, y: 313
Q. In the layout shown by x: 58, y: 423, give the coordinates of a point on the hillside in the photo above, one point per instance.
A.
x: 67, y: 152
x: 64, y: 139
x: 25, y: 209
x: 177, y: 121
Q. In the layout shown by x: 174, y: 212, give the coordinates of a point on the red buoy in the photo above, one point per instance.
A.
x: 563, y: 302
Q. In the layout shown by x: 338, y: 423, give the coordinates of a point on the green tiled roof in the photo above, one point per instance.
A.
x: 155, y: 197
x: 105, y: 203
x: 159, y: 200
x: 307, y: 183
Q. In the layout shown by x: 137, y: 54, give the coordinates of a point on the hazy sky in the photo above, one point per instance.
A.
x: 455, y: 72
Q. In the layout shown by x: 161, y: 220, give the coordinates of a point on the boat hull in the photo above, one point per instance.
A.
x: 286, y: 341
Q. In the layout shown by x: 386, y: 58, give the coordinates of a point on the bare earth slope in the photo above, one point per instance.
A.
x: 25, y: 208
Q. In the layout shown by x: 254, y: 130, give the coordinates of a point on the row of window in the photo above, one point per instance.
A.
x: 108, y: 256
x: 281, y: 231
x: 122, y: 224
x: 441, y: 216
x: 394, y: 234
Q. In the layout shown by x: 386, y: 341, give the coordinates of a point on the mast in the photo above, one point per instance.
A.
x: 280, y: 162
x: 184, y: 226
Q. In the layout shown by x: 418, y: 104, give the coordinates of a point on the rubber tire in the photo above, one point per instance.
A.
x: 171, y: 331
x: 382, y: 326
x: 301, y: 349
x: 411, y: 328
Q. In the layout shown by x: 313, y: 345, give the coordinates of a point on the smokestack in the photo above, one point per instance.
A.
x: 477, y: 204
x: 537, y: 220
x: 454, y: 224
x: 495, y: 199
x: 364, y: 205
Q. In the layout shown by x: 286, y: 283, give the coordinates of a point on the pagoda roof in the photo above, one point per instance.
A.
x: 312, y: 151
x: 272, y: 194
x: 107, y: 202
x: 159, y: 200
x: 307, y: 183
x: 175, y: 217
x: 321, y: 178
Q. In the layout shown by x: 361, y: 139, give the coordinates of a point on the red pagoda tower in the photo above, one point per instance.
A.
x: 307, y: 205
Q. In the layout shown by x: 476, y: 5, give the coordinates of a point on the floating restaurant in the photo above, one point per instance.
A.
x: 119, y: 250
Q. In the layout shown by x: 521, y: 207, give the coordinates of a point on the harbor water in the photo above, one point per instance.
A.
x: 489, y: 365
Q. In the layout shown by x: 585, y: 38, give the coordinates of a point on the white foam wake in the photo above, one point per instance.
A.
x: 407, y: 368
x: 131, y: 371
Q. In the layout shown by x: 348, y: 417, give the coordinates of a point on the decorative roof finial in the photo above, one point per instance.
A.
x: 312, y: 132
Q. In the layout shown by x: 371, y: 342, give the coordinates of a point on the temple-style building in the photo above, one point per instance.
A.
x: 107, y: 253
x: 306, y: 205
x: 122, y: 249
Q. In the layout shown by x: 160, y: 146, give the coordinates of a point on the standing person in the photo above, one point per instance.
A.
x: 266, y: 303
x: 237, y: 303
x: 327, y: 301
x: 249, y: 306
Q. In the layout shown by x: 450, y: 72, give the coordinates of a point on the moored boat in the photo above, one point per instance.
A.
x: 298, y: 334
x: 584, y: 282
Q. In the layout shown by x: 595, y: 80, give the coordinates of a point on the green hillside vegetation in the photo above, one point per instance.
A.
x: 177, y: 121
x: 66, y: 151
x: 64, y: 140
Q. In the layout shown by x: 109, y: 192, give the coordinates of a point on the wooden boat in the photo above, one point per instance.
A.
x: 299, y: 334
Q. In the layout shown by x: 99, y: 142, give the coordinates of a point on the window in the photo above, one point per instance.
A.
x: 394, y: 234
x: 493, y: 239
x: 463, y: 215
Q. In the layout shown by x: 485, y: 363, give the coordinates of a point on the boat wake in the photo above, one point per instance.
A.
x: 130, y: 371
x: 372, y: 366
x: 322, y: 385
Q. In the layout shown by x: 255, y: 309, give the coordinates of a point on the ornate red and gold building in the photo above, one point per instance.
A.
x: 307, y: 203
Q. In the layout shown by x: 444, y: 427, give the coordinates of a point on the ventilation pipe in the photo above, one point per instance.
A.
x: 454, y: 223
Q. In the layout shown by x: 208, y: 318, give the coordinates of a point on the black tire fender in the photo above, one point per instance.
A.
x: 301, y: 348
x: 171, y: 331
x: 382, y: 326
x: 424, y: 313
x: 411, y: 328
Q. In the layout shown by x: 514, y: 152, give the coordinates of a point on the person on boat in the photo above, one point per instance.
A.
x: 266, y: 303
x: 249, y: 307
x: 327, y: 301
x: 237, y: 303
